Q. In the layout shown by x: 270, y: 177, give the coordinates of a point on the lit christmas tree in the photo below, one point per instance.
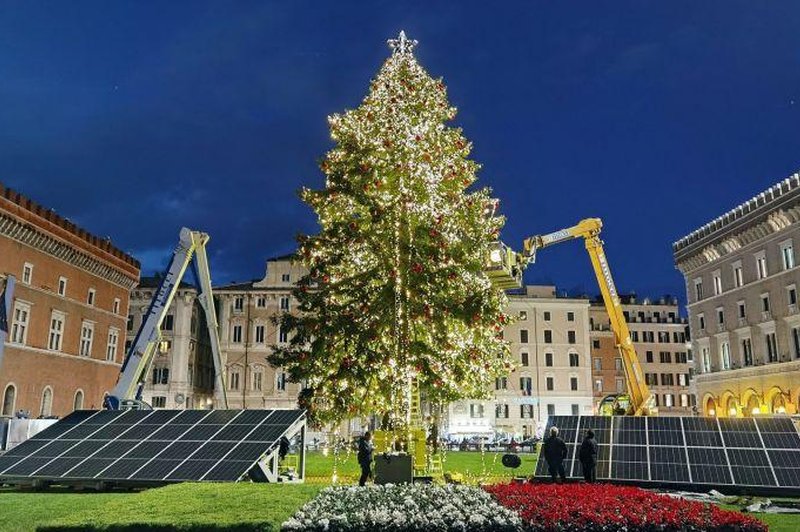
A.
x: 396, y: 292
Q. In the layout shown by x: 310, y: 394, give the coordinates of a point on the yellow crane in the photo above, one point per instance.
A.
x: 505, y: 270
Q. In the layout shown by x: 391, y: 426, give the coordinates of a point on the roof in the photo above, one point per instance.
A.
x: 238, y: 287
x: 154, y: 281
x: 288, y: 256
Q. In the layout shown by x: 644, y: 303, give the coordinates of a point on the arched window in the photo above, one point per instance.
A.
x: 77, y: 403
x: 9, y: 398
x: 47, y: 402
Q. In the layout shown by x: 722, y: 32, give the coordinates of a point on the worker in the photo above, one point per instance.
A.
x: 555, y: 451
x: 365, y: 448
x: 283, y: 448
x: 588, y: 457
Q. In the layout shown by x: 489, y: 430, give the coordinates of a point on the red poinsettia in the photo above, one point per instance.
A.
x: 608, y: 507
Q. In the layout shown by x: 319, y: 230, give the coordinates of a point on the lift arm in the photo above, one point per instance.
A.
x: 142, y: 352
x: 589, y: 231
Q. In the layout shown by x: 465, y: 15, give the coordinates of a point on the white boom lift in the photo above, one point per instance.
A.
x: 127, y: 394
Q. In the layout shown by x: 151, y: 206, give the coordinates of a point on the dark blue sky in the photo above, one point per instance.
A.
x: 136, y: 118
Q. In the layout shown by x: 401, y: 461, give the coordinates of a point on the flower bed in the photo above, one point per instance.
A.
x: 567, y: 507
x: 406, y: 507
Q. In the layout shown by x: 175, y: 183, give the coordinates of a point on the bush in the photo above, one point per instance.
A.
x: 400, y: 508
x: 595, y: 507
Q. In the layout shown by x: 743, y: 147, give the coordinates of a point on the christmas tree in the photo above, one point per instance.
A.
x: 396, y: 291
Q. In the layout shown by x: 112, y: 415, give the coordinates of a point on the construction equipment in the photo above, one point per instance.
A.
x: 507, y: 273
x: 6, y: 309
x: 127, y: 394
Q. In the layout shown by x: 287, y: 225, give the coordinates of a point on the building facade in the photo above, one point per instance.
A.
x: 549, y: 342
x: 659, y: 336
x: 67, y: 325
x: 182, y: 374
x: 742, y: 279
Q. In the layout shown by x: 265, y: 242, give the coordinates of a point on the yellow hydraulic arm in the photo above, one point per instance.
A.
x: 589, y: 230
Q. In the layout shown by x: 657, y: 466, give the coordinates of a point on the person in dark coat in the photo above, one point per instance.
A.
x: 555, y: 451
x: 283, y: 448
x: 365, y: 448
x: 588, y: 457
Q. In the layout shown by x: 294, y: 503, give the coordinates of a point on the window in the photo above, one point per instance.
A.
x: 159, y: 401
x: 761, y: 265
x: 523, y: 336
x: 668, y: 400
x: 551, y: 410
x: 634, y: 336
x: 620, y: 383
x: 237, y: 334
x: 20, y: 320
x: 283, y: 336
x: 130, y: 322
x: 682, y: 379
x: 772, y: 347
x: 115, y: 306
x: 720, y: 316
x: 595, y: 344
x: 56, y: 331
x: 717, y: 283
x: 791, y: 296
x: 90, y: 297
x: 285, y: 278
x: 261, y: 302
x: 574, y: 360
x: 62, y: 286
x: 787, y: 254
x: 77, y: 401
x: 684, y: 400
x: 701, y: 322
x: 526, y: 411
x: 738, y: 277
x: 681, y: 357
x: 706, y: 357
x: 698, y: 289
x: 742, y: 310
x: 160, y: 375
x: 546, y: 315
x: 576, y: 410
x: 501, y: 383
x: 476, y: 410
x: 570, y: 316
x: 573, y: 383
x: 598, y: 364
x: 618, y: 364
x: 525, y: 385
x: 27, y: 273
x: 523, y: 315
x: 501, y: 411
x: 549, y: 384
x: 765, y: 305
x: 238, y: 304
x: 725, y: 355
x: 571, y: 337
x: 257, y: 380
x: 796, y: 341
x: 111, y: 347
x: 667, y: 379
x: 649, y: 356
x: 233, y: 382
x: 169, y: 323
x: 598, y: 385
x: 548, y: 336
x: 548, y: 359
x: 164, y: 346
x: 747, y: 352
x: 665, y: 357
x: 651, y: 379
x: 46, y: 408
x: 280, y: 382
x: 524, y: 359
x: 259, y: 334
x: 9, y: 398
x: 284, y: 302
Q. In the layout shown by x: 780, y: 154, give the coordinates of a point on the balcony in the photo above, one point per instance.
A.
x: 720, y: 327
x: 742, y: 321
x: 792, y: 308
x: 766, y: 315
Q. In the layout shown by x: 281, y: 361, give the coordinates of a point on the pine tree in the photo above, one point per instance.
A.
x: 396, y: 289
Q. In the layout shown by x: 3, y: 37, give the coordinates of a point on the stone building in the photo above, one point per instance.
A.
x: 182, y: 375
x: 658, y: 333
x: 67, y: 325
x: 742, y: 279
x: 247, y: 335
x: 550, y: 345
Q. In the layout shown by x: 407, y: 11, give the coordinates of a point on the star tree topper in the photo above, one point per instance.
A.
x: 402, y: 44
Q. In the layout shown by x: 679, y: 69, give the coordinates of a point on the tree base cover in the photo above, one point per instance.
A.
x: 606, y: 507
x: 405, y: 507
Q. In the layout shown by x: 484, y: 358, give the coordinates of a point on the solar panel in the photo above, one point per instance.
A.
x: 152, y: 446
x: 755, y: 453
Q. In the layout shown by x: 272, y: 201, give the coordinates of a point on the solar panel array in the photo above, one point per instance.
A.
x: 141, y: 446
x: 749, y: 452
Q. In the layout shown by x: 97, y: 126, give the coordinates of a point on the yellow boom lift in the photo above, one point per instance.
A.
x: 505, y: 270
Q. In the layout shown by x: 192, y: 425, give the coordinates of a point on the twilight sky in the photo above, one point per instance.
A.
x: 135, y: 118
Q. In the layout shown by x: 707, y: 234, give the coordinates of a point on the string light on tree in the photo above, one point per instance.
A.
x: 396, y: 289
